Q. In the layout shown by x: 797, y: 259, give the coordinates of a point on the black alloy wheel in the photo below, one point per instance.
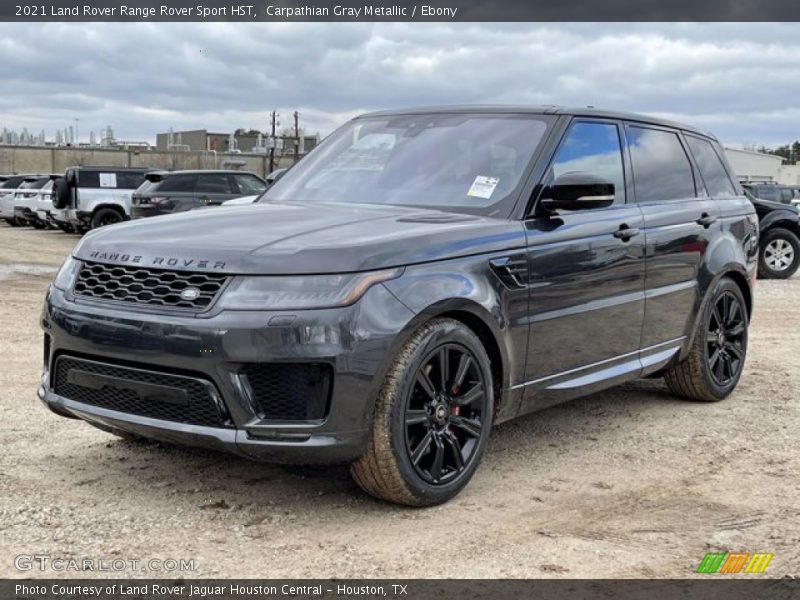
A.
x: 432, y: 419
x: 725, y: 339
x: 715, y: 360
x: 444, y: 414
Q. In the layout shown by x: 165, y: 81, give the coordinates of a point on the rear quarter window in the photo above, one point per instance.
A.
x: 713, y: 172
x: 213, y: 183
x: 127, y: 180
x: 175, y: 183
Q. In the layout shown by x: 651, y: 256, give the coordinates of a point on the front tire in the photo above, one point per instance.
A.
x: 779, y: 254
x: 432, y: 418
x: 715, y: 361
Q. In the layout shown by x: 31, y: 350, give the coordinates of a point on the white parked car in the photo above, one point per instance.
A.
x: 8, y: 185
x: 26, y: 200
x: 43, y: 205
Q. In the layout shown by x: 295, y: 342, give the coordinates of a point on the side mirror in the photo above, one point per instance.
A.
x: 578, y: 191
x: 71, y: 176
x: 275, y: 175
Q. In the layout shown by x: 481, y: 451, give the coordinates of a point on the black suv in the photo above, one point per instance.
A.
x: 419, y: 277
x: 772, y: 192
x: 779, y: 237
x: 167, y: 192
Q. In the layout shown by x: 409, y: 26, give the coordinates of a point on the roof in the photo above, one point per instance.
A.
x: 196, y: 171
x: 536, y: 110
x: 754, y: 153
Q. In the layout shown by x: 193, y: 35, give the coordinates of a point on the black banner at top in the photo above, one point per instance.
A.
x: 399, y: 10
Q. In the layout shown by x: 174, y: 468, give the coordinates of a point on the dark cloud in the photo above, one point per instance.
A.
x: 738, y: 80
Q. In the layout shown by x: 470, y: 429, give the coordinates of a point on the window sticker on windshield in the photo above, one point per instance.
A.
x: 108, y: 180
x: 483, y: 187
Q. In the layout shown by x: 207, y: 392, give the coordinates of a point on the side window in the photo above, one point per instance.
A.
x: 178, y: 183
x: 213, y: 183
x: 661, y: 169
x: 768, y: 193
x: 593, y: 148
x: 88, y: 179
x: 711, y: 168
x: 128, y: 180
x: 249, y: 185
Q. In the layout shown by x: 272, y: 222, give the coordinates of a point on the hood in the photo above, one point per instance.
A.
x: 295, y: 238
x: 763, y: 205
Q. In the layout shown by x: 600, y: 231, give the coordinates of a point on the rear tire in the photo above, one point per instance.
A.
x: 778, y: 254
x: 715, y: 361
x: 431, y: 423
x: 105, y: 216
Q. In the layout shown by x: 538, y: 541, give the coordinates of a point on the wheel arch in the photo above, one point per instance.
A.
x: 733, y: 272
x: 115, y: 207
x: 780, y: 219
x: 481, y: 322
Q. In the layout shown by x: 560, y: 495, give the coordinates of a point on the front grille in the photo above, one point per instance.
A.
x: 136, y: 391
x: 290, y: 392
x: 150, y: 287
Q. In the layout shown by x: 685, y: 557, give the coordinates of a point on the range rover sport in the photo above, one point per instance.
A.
x: 419, y: 277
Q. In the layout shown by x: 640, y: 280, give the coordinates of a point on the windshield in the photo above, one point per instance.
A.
x: 458, y: 162
x: 35, y: 184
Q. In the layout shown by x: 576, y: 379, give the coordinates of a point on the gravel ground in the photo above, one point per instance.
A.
x: 628, y: 483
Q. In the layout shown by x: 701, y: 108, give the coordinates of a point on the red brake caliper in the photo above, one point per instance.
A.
x: 454, y: 410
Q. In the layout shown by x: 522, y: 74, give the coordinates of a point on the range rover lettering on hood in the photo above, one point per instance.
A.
x: 157, y: 261
x: 297, y: 239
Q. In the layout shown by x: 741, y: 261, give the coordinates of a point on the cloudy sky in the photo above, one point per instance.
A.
x: 740, y: 81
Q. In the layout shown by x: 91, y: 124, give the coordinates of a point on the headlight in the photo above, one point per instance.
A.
x: 65, y: 278
x: 298, y: 292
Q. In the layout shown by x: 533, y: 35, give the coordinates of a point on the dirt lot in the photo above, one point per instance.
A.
x: 628, y: 483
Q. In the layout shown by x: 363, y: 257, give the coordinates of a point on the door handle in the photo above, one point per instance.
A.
x: 706, y: 220
x: 625, y: 233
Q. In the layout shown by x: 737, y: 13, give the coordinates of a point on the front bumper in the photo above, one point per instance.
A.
x: 357, y: 342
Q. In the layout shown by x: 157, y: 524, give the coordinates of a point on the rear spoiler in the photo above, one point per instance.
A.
x: 154, y: 176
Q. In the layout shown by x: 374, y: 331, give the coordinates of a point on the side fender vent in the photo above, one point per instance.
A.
x: 512, y: 270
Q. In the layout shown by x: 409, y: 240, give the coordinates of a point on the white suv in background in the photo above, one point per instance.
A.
x: 91, y: 197
x: 26, y: 199
x: 8, y: 185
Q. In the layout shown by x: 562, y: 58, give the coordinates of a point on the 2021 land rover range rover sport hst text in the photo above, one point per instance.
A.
x: 419, y: 277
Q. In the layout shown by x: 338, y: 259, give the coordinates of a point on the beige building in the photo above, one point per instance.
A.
x: 762, y: 168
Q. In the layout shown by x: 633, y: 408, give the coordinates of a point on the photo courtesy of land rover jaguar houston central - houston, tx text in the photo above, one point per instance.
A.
x: 419, y: 277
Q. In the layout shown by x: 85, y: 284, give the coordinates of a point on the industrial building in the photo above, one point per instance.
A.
x: 202, y: 140
x: 758, y: 167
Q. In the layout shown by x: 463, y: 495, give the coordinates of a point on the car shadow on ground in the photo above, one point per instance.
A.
x: 218, y: 481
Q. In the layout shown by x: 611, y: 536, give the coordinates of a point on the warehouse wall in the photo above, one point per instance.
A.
x: 33, y: 159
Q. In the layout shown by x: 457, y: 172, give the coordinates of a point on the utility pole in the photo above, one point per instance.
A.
x: 296, y: 138
x: 274, y: 141
x: 77, y: 143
